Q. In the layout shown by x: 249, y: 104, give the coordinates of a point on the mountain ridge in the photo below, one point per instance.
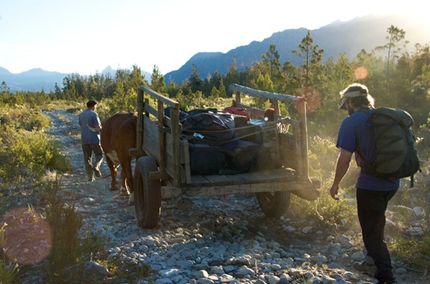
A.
x: 348, y: 37
x: 37, y: 79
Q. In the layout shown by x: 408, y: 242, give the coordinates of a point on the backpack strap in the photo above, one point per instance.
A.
x: 368, y: 168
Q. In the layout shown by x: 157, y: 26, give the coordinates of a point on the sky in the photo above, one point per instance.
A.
x: 86, y: 36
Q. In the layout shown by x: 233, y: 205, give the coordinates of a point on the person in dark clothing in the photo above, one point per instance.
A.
x: 372, y: 193
x: 90, y: 135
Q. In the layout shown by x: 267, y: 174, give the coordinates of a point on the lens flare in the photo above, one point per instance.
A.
x: 360, y: 73
x: 312, y: 97
x: 27, y: 236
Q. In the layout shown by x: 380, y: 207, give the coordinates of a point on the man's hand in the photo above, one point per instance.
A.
x: 342, y: 166
x: 334, y: 191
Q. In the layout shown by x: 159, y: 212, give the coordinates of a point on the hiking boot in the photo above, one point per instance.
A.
x: 365, y: 268
x: 97, y: 172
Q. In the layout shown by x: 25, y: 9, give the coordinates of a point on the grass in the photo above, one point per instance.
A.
x: 35, y: 153
x: 9, y: 269
x: 414, y: 251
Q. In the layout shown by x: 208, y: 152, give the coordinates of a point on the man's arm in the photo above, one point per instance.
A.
x: 97, y: 128
x: 341, y: 168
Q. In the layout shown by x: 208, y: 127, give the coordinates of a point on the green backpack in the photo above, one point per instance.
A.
x: 396, y: 153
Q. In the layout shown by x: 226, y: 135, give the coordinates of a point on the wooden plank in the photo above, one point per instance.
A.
x: 151, y: 145
x: 218, y: 179
x: 303, y: 138
x: 298, y: 149
x: 237, y: 179
x: 185, y: 160
x: 161, y: 136
x: 160, y: 97
x: 290, y: 186
x: 150, y: 138
x: 150, y: 110
x: 139, y: 126
x: 176, y: 151
x: 270, y: 175
x: 264, y: 94
x: 199, y: 180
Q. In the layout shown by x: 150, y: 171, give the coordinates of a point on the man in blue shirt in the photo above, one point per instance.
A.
x: 90, y: 134
x: 372, y: 193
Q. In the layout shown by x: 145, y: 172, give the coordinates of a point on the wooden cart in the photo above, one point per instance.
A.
x: 163, y: 160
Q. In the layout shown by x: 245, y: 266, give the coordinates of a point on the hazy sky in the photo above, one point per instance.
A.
x: 86, y: 36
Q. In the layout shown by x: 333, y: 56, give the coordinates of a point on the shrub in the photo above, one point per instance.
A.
x: 69, y: 251
x: 414, y: 251
x: 29, y: 154
x: 23, y: 117
x: 325, y: 210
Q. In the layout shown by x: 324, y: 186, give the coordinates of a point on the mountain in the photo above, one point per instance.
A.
x: 31, y: 80
x: 349, y: 37
x: 109, y: 70
x: 38, y: 79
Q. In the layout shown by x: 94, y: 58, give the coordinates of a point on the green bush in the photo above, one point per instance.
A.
x: 325, y: 211
x: 414, y: 251
x: 29, y: 154
x: 69, y: 251
x: 22, y: 117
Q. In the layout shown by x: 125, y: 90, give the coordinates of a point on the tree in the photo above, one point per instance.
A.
x: 157, y: 80
x: 119, y: 96
x: 421, y: 62
x: 222, y: 90
x: 272, y: 63
x: 4, y: 88
x: 312, y: 57
x: 339, y: 73
x: 232, y: 75
x: 396, y: 42
x: 291, y: 82
x: 194, y: 82
x: 134, y: 80
x: 214, y: 93
x: 371, y: 71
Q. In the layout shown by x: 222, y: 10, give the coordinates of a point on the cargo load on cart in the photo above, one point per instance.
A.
x: 209, y: 152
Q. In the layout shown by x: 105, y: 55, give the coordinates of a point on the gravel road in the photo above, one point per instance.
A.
x: 218, y: 240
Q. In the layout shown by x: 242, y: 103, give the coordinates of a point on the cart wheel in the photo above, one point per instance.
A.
x: 147, y: 193
x: 274, y: 204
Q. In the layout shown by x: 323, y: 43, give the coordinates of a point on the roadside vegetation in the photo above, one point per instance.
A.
x: 395, y: 78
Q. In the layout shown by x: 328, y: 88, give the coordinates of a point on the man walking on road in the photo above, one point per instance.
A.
x: 90, y: 134
x: 373, y: 193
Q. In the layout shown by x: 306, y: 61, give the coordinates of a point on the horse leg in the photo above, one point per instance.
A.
x: 113, y: 172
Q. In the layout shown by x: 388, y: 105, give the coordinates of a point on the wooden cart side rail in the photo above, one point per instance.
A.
x: 167, y: 121
x: 264, y: 94
x: 298, y: 149
x: 300, y: 132
x: 165, y: 147
x: 160, y: 97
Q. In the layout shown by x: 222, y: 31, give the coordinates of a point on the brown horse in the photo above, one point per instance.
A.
x: 118, y: 135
